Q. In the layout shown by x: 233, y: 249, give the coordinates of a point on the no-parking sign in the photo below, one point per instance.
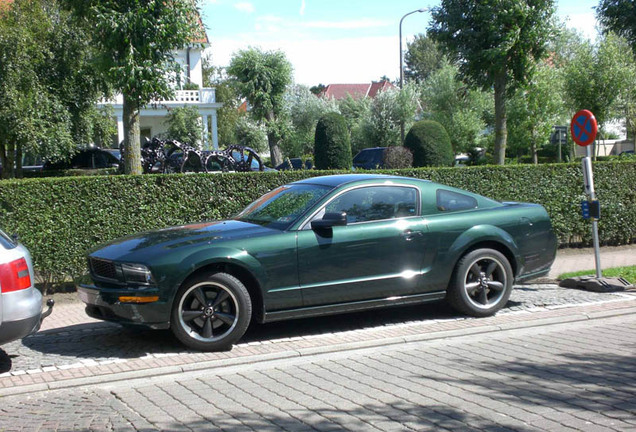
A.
x: 583, y: 128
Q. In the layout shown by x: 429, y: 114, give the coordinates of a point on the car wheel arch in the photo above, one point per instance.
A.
x: 244, y: 275
x: 499, y: 247
x: 489, y: 237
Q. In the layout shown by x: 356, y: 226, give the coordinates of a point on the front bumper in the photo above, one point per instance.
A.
x: 104, y: 303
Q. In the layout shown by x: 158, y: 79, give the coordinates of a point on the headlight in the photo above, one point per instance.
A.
x: 137, y: 273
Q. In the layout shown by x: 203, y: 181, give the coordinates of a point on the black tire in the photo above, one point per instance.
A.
x: 211, y: 312
x: 481, y: 283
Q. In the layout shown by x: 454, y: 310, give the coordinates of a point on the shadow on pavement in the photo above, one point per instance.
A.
x: 102, y: 341
x: 602, y: 383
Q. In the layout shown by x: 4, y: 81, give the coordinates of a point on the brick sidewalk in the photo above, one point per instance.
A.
x: 91, y: 372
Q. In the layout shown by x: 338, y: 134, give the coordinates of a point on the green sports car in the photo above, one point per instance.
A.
x: 319, y: 246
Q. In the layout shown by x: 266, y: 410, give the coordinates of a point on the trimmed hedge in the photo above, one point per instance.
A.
x: 59, y: 219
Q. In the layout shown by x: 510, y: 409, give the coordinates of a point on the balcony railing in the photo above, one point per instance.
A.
x: 181, y: 97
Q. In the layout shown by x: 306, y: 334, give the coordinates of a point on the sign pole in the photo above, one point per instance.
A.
x: 583, y: 128
x: 588, y: 180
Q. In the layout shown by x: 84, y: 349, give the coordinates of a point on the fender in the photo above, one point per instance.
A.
x: 485, y: 233
x: 220, y: 255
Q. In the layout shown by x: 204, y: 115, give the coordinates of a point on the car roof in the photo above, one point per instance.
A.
x: 340, y: 179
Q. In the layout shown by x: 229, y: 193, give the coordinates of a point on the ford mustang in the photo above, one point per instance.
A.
x: 323, y: 245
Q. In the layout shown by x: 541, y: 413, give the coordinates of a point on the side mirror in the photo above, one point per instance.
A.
x: 330, y: 220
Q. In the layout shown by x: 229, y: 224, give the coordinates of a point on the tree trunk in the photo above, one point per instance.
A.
x: 275, y: 154
x: 18, y: 162
x: 132, y: 149
x: 501, y: 131
x: 3, y: 159
x: 7, y: 156
x: 533, y: 150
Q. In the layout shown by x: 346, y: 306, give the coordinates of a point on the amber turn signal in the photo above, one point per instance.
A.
x: 138, y: 299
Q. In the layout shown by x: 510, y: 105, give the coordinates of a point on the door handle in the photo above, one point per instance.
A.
x: 410, y: 234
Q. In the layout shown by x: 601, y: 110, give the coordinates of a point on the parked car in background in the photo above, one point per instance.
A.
x: 319, y: 246
x: 29, y: 164
x: 369, y: 158
x: 92, y: 158
x: 20, y: 302
x: 295, y: 164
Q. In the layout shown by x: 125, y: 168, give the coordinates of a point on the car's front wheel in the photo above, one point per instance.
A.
x: 481, y: 283
x: 211, y: 312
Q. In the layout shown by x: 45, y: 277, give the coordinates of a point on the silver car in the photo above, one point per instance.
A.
x: 20, y: 302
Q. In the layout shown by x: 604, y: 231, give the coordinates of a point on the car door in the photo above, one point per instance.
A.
x: 378, y: 254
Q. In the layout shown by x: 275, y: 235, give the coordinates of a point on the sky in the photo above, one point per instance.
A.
x: 336, y: 41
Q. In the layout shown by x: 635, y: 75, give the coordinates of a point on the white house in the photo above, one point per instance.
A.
x: 153, y: 116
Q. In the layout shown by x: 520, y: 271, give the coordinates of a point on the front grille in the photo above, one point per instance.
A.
x: 102, y: 268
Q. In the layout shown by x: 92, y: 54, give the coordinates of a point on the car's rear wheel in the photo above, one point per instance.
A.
x: 481, y: 283
x: 211, y: 312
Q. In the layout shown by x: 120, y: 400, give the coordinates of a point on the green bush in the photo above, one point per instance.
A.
x: 430, y: 144
x: 396, y: 157
x: 59, y: 219
x: 332, y: 145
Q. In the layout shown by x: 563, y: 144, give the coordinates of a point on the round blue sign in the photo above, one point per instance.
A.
x: 583, y: 128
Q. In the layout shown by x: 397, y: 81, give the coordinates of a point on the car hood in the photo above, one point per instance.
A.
x: 146, y: 244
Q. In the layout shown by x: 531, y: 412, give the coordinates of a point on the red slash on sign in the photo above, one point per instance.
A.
x: 583, y: 128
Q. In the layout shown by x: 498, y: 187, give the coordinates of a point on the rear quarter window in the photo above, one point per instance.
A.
x: 448, y: 201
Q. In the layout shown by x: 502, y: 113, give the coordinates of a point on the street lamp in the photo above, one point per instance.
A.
x: 401, y: 59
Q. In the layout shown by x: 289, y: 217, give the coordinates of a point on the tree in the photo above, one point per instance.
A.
x: 184, y: 125
x: 619, y: 17
x: 355, y: 111
x: 262, y: 78
x: 229, y: 115
x: 135, y: 41
x: 598, y: 76
x: 317, y: 89
x: 48, y: 90
x: 303, y: 109
x: 387, y: 110
x: 496, y: 43
x: 534, y: 110
x: 251, y: 134
x: 422, y: 58
x: 332, y: 149
x: 450, y: 102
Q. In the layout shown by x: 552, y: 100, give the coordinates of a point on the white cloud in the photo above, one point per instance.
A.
x: 350, y: 60
x: 585, y: 23
x: 302, y: 8
x: 245, y: 7
x: 348, y: 25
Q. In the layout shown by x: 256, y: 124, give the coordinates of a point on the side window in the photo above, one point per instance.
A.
x: 453, y: 201
x: 375, y: 203
x: 101, y: 160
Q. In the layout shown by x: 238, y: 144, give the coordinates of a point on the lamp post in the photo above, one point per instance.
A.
x: 401, y: 61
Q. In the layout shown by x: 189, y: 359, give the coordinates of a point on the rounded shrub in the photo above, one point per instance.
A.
x: 332, y: 145
x: 430, y: 144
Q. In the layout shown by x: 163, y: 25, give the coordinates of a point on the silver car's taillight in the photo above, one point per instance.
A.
x: 14, y: 276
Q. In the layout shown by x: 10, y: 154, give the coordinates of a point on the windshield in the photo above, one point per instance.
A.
x: 281, y: 207
x: 368, y: 156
